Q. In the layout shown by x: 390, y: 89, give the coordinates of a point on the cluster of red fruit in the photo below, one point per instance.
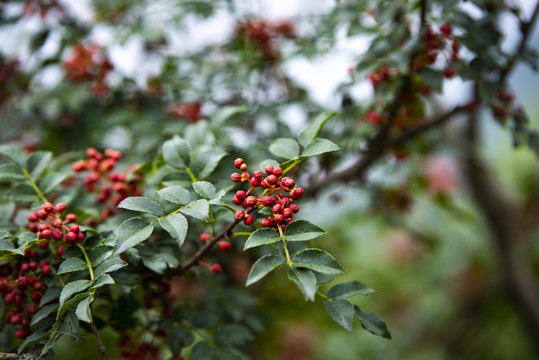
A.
x: 502, y: 106
x: 89, y: 63
x: 263, y: 34
x: 113, y: 186
x: 21, y: 288
x: 47, y: 223
x: 434, y: 44
x: 191, y: 111
x: 134, y: 349
x: 281, y: 205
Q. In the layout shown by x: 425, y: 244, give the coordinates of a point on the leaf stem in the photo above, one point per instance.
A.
x: 288, y: 259
x: 34, y: 185
x: 87, y: 259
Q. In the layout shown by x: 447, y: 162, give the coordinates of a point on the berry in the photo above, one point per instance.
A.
x: 241, y: 195
x: 272, y: 179
x: 33, y: 217
x: 243, y: 167
x: 236, y: 201
x: 269, y: 170
x: 24, y: 268
x: 46, y: 234
x: 277, y: 208
x: 449, y: 72
x: 446, y: 29
x: 288, y: 182
x: 60, y: 251
x: 15, y: 319
x: 57, y: 235
x: 71, y: 218
x: 57, y: 223
x: 278, y: 218
x: 216, y: 269
x: 22, y: 283
x: 372, y: 117
x: 47, y: 207
x: 74, y: 228
x: 71, y: 237
x: 294, y: 208
x: 79, y: 166
x: 10, y: 298
x: 249, y: 220
x: 254, y: 182
x: 46, y: 270
x: 235, y: 177
x: 224, y: 246
x: 42, y: 214
x: 238, y: 163
x: 258, y: 175
x: 266, y: 222
x: 267, y: 200
x: 287, y: 213
x: 204, y: 237
x: 43, y: 245
x: 250, y: 201
x: 277, y: 171
x: 36, y: 298
x: 33, y: 266
x: 20, y: 334
x: 296, y: 193
x: 239, y: 215
x: 31, y: 280
x: 38, y: 286
x: 285, y: 202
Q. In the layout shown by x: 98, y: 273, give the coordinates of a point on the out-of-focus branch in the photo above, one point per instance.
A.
x: 100, y: 346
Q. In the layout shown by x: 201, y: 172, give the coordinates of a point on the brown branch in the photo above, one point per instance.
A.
x: 100, y: 346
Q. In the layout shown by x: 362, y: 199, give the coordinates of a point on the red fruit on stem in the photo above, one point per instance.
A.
x: 224, y: 246
x: 239, y: 215
x: 249, y: 220
x: 238, y: 163
x: 216, y: 269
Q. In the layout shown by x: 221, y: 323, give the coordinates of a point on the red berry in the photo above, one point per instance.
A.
x: 216, y: 269
x: 266, y: 222
x: 32, y: 227
x: 277, y: 208
x: 74, y: 228
x: 24, y: 268
x: 239, y: 215
x: 57, y: 223
x: 250, y: 201
x: 33, y: 217
x: 36, y: 298
x: 254, y: 182
x: 71, y: 237
x: 294, y: 208
x: 272, y: 179
x: 43, y: 245
x: 278, y: 218
x: 224, y: 246
x: 269, y: 170
x: 243, y: 167
x: 43, y: 227
x: 287, y: 213
x: 42, y: 214
x: 285, y: 202
x: 38, y: 286
x: 296, y: 193
x: 33, y: 266
x: 372, y: 117
x: 238, y: 163
x: 258, y: 175
x: 446, y: 29
x: 70, y: 218
x: 20, y: 334
x: 22, y: 283
x: 288, y: 182
x: 236, y: 201
x: 43, y: 263
x: 235, y: 177
x: 60, y: 251
x: 47, y: 207
x: 46, y: 270
x: 10, y: 298
x: 241, y: 195
x: 46, y: 234
x: 277, y: 171
x: 31, y: 280
x: 57, y: 235
x: 267, y: 200
x: 15, y: 319
x: 449, y: 72
x: 249, y: 220
x: 204, y: 237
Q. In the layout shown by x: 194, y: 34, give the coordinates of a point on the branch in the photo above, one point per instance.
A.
x: 100, y: 346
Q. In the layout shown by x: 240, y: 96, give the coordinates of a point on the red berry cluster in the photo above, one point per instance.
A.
x: 263, y: 34
x: 191, y: 111
x: 113, y: 186
x: 436, y: 43
x: 502, y: 106
x: 281, y: 205
x: 87, y: 62
x: 134, y: 349
x: 22, y: 290
x: 47, y: 223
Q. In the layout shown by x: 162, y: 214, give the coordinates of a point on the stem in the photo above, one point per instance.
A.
x: 238, y: 234
x: 88, y: 262
x: 34, y: 185
x: 288, y: 259
x: 191, y: 175
x: 291, y: 166
x: 322, y: 295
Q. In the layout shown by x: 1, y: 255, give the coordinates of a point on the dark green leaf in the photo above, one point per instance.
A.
x: 264, y: 266
x: 373, y: 323
x: 176, y: 152
x: 348, y: 289
x: 202, y: 351
x: 317, y: 260
x: 285, y: 148
x: 342, y: 311
x: 160, y: 262
x: 109, y: 266
x: 198, y: 209
x: 178, y: 338
x: 10, y: 172
x: 103, y: 280
x: 43, y: 313
x: 70, y: 265
x: 83, y: 311
x: 175, y: 194
x: 13, y: 153
x: 51, y: 294
x: 131, y: 233
x: 302, y: 230
x: 37, y: 163
x: 51, y: 181
x: 73, y: 288
x: 204, y: 319
x: 261, y: 237
x: 32, y: 339
x: 141, y: 204
x: 305, y: 281
x: 211, y: 160
x: 307, y: 135
x: 176, y: 225
x: 225, y: 113
x: 204, y: 189
x: 231, y: 335
x: 22, y: 192
x: 318, y: 147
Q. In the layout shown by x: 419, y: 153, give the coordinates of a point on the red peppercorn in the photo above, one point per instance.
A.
x: 241, y: 195
x: 204, y: 237
x: 294, y: 208
x: 216, y: 269
x: 266, y: 222
x: 249, y: 220
x: 224, y: 246
x: 238, y: 163
x: 267, y: 200
x: 277, y: 171
x: 239, y: 215
x: 269, y: 170
x: 235, y: 177
x: 250, y: 201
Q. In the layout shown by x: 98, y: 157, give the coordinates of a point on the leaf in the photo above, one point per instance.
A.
x: 83, y: 311
x: 43, y: 313
x: 51, y: 294
x: 51, y: 181
x: 202, y: 351
x: 302, y: 230
x: 285, y: 148
x: 264, y: 266
x: 342, y: 311
x: 212, y: 159
x: 131, y: 233
x: 261, y: 237
x: 231, y: 335
x: 267, y: 162
x: 73, y: 288
x: 318, y: 147
x: 198, y: 209
x: 141, y: 204
x: 348, y: 289
x: 71, y: 265
x: 176, y: 152
x: 14, y: 153
x: 22, y: 192
x: 103, y: 280
x: 305, y: 281
x: 225, y: 113
x: 307, y: 135
x: 37, y: 163
x: 317, y: 260
x: 32, y: 339
x: 160, y: 262
x: 109, y: 266
x: 373, y: 323
x: 10, y: 172
x: 178, y: 338
x: 175, y: 194
x: 204, y: 189
x: 176, y: 225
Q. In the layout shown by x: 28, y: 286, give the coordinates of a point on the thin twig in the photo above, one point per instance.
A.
x: 100, y: 346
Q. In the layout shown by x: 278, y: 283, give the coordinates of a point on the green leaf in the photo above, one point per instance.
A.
x: 198, y: 209
x: 261, y: 237
x: 175, y: 194
x: 211, y: 160
x: 204, y: 189
x: 10, y: 172
x: 32, y: 339
x: 317, y: 260
x: 176, y: 225
x: 51, y: 181
x: 302, y: 230
x: 43, y: 313
x: 141, y: 204
x: 14, y: 153
x: 71, y: 265
x: 307, y: 135
x: 160, y: 262
x: 231, y: 335
x: 131, y: 233
x: 225, y: 113
x: 73, y: 288
x: 22, y: 192
x: 83, y: 311
x: 109, y: 266
x: 267, y: 162
x: 202, y: 351
x: 285, y: 148
x: 305, y: 280
x: 342, y: 311
x: 373, y: 323
x: 37, y: 163
x: 176, y: 152
x: 103, y: 280
x: 178, y: 338
x: 51, y: 294
x: 264, y: 266
x: 318, y: 147
x: 348, y: 289
x: 431, y: 78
